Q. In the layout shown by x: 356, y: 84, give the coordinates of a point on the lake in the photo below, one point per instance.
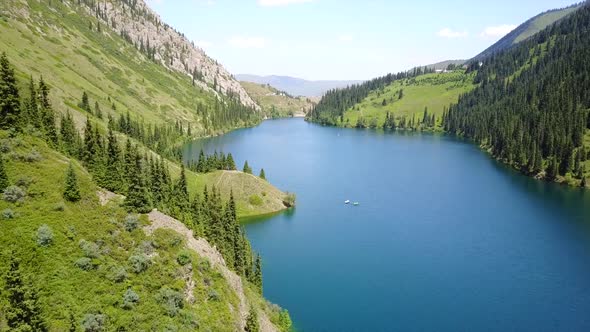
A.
x: 444, y: 239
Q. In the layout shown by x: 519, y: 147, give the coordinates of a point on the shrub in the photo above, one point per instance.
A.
x: 170, y: 300
x: 5, y: 146
x: 131, y: 222
x: 130, y: 299
x: 139, y: 263
x: 8, y: 214
x: 147, y: 247
x: 255, y: 200
x: 289, y: 200
x: 33, y: 156
x: 183, y: 258
x: 213, y: 295
x: 59, y: 206
x: 93, y: 322
x: 84, y: 263
x: 117, y: 274
x: 24, y: 181
x: 44, y: 236
x: 14, y: 194
x: 90, y: 249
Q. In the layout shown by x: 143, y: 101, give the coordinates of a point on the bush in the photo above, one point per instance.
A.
x: 289, y: 200
x: 84, y: 263
x: 14, y: 194
x: 117, y: 274
x: 90, y: 249
x: 255, y: 200
x: 130, y: 299
x: 8, y: 214
x: 33, y: 156
x: 147, y: 247
x: 59, y: 206
x: 183, y: 258
x: 170, y: 300
x: 131, y: 222
x: 93, y: 322
x: 5, y: 146
x: 24, y: 181
x: 139, y: 263
x: 213, y: 295
x: 44, y: 236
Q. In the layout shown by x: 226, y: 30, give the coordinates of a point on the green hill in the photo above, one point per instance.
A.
x: 277, y: 103
x: 528, y: 29
x: 89, y: 263
x: 431, y: 92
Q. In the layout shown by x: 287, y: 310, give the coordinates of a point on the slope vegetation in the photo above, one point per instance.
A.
x: 532, y: 108
x: 408, y: 99
x: 275, y: 103
x: 528, y: 29
x: 89, y: 267
x: 126, y: 60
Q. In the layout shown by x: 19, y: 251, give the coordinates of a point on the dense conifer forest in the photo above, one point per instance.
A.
x: 531, y: 108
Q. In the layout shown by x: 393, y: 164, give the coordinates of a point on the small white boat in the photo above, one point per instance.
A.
x: 356, y: 203
x: 347, y: 201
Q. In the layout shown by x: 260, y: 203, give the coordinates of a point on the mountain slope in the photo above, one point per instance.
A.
x: 297, y: 86
x: 91, y: 266
x: 528, y: 29
x: 73, y: 47
x: 532, y: 107
x: 277, y: 103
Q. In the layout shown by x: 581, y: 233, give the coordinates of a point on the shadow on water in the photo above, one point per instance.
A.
x: 287, y: 214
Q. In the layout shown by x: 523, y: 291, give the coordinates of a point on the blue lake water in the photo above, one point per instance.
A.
x: 444, y: 238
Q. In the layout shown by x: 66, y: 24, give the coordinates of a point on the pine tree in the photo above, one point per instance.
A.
x: 85, y: 103
x: 47, y: 114
x: 31, y: 114
x: 137, y: 194
x: 231, y: 165
x: 69, y: 135
x: 90, y: 145
x: 201, y: 162
x: 23, y: 312
x: 262, y: 174
x: 583, y: 182
x: 257, y: 277
x: 113, y: 164
x: 247, y: 168
x: 72, y: 191
x: 97, y: 110
x: 252, y: 324
x: 9, y: 95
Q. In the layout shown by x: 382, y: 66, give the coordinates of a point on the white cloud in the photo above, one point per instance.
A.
x: 450, y: 33
x: 276, y: 3
x: 247, y: 42
x: 497, y: 31
x: 346, y: 38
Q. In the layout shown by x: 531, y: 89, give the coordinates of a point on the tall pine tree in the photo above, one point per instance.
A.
x: 72, y: 191
x: 9, y: 96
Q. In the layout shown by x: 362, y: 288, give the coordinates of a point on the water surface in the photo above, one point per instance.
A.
x: 444, y: 239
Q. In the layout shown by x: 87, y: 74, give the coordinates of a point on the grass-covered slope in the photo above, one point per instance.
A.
x: 433, y: 92
x: 528, y: 29
x: 60, y: 41
x: 277, y: 103
x: 95, y: 256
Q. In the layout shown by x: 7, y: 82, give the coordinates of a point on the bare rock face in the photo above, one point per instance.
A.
x: 140, y: 25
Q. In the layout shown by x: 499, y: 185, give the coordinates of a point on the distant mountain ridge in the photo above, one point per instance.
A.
x: 297, y: 86
x: 528, y: 29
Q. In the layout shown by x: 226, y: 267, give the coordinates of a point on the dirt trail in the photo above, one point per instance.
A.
x: 204, y: 249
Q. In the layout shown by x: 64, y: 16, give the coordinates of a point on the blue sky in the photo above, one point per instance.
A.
x: 331, y: 39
